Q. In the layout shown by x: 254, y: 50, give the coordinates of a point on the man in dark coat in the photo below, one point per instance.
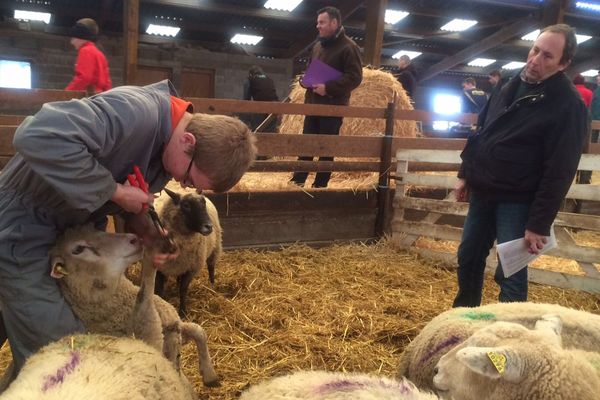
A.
x: 260, y: 87
x: 519, y: 165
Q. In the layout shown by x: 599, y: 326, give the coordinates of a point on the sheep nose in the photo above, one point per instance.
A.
x: 134, y: 240
x: 436, y: 370
x: 206, y: 229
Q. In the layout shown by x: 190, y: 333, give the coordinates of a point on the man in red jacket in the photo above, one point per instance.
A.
x: 91, y: 67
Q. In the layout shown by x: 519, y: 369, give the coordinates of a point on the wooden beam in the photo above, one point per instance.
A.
x: 554, y: 12
x: 374, y: 31
x: 516, y: 28
x: 131, y: 21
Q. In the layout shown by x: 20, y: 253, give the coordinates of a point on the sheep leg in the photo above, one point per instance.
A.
x: 159, y: 282
x: 184, y: 284
x: 211, y: 261
x: 193, y: 331
x: 147, y: 324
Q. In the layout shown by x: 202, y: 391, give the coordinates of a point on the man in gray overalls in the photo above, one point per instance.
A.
x: 72, y: 162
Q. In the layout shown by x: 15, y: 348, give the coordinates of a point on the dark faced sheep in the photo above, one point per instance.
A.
x: 193, y: 222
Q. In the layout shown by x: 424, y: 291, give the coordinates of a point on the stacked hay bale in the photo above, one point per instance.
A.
x: 376, y: 90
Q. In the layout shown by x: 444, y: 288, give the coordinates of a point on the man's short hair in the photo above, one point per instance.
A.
x: 333, y: 13
x: 570, y: 40
x: 404, y: 57
x: 578, y: 79
x: 495, y: 73
x: 470, y: 81
x: 225, y: 148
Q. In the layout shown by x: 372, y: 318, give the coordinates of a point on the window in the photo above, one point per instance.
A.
x: 446, y: 104
x: 15, y: 74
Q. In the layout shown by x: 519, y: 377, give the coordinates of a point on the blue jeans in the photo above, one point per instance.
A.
x: 485, y: 222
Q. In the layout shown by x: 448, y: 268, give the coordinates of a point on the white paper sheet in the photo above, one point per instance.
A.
x: 514, y: 255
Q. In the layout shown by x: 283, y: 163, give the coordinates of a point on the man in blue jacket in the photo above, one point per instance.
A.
x: 519, y: 165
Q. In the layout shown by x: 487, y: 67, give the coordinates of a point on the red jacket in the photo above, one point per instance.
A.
x: 91, y: 69
x: 586, y: 94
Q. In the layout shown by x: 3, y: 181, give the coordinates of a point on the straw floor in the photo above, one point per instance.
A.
x: 342, y: 308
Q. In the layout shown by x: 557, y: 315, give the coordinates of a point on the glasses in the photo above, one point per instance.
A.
x: 187, y: 181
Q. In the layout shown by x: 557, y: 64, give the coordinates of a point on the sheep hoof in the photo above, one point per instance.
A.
x: 213, y: 383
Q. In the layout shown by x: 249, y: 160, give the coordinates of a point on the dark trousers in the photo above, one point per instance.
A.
x: 485, y: 222
x: 319, y: 126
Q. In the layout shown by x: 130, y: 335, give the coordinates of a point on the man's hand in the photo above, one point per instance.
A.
x: 319, y: 89
x: 461, y: 190
x: 141, y: 224
x: 534, y: 242
x: 131, y: 199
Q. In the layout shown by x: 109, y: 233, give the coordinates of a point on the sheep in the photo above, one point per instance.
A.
x: 506, y: 360
x: 89, y: 266
x: 99, y: 367
x: 193, y: 222
x: 581, y: 330
x: 324, y: 385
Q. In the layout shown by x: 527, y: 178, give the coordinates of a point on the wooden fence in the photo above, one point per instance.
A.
x: 405, y: 231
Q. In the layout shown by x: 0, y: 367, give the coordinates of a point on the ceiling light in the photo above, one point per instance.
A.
x: 481, y: 62
x: 411, y: 54
x: 393, y: 16
x: 582, y: 38
x: 514, y: 65
x: 284, y: 5
x: 458, y: 25
x: 531, y: 36
x: 32, y: 16
x: 241, y: 38
x: 162, y: 30
x: 588, y: 6
x: 590, y: 72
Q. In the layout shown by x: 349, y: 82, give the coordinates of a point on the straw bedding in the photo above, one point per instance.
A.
x: 343, y: 308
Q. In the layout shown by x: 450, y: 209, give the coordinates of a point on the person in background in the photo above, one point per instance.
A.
x: 340, y: 52
x: 91, y: 67
x: 260, y: 87
x: 517, y: 168
x: 595, y: 108
x: 473, y: 99
x: 586, y: 94
x: 407, y: 75
x: 70, y: 168
x: 494, y: 78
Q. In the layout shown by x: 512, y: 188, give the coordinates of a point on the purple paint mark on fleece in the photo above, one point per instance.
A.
x: 451, y: 341
x: 347, y: 385
x: 59, y: 376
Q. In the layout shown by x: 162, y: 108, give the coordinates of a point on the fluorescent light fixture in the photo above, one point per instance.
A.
x: 15, y: 74
x: 590, y: 72
x: 458, y: 25
x: 32, y: 16
x: 588, y: 6
x: 393, y: 16
x: 514, y: 65
x: 582, y: 38
x: 162, y: 30
x: 241, y: 38
x: 481, y: 62
x: 411, y: 54
x: 284, y: 5
x: 531, y: 36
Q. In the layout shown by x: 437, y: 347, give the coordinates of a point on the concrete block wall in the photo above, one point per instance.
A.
x: 53, y: 58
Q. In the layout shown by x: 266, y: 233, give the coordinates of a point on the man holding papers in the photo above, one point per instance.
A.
x: 519, y: 165
x: 334, y: 71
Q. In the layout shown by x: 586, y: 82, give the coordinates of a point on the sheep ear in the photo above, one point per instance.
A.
x: 58, y: 270
x: 551, y: 324
x: 175, y: 196
x: 492, y: 362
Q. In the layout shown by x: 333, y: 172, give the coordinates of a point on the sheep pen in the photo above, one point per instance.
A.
x: 340, y: 308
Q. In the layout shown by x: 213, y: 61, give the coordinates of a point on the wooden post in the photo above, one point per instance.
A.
x: 374, y: 31
x: 383, y: 188
x: 131, y: 21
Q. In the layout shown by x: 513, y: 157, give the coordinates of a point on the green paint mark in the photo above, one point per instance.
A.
x: 476, y: 316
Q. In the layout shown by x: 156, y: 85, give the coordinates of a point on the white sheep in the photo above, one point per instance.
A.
x: 193, y: 222
x: 509, y: 361
x: 324, y: 385
x: 90, y: 266
x: 450, y: 328
x: 95, y: 367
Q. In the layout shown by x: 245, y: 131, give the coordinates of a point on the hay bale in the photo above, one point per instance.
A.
x: 376, y: 90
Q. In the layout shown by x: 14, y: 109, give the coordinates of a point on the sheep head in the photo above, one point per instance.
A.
x: 193, y: 211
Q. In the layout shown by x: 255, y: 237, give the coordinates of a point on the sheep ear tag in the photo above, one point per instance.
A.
x: 58, y: 271
x: 498, y: 360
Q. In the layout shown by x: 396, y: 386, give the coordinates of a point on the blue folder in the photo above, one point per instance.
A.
x: 318, y: 72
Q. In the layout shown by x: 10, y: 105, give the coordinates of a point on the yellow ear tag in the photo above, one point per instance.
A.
x: 499, y: 361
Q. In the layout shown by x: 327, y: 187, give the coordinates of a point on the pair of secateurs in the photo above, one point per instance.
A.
x: 137, y: 180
